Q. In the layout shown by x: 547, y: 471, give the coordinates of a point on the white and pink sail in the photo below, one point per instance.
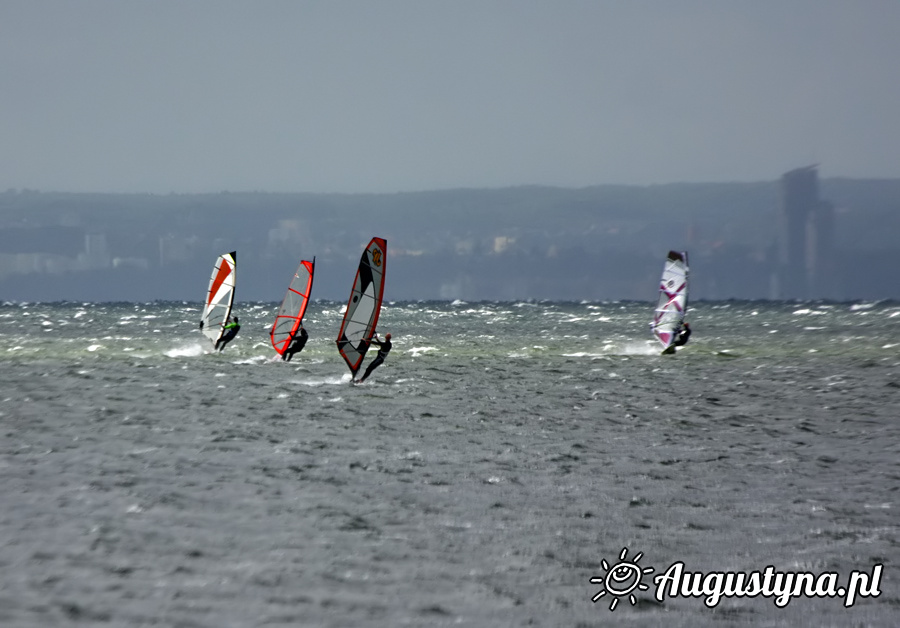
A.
x: 671, y: 307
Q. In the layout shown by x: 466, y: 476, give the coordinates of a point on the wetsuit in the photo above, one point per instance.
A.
x: 682, y: 338
x: 296, y: 345
x: 231, y: 330
x: 384, y: 348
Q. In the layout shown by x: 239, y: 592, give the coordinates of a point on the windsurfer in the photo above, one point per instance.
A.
x: 385, y: 347
x: 683, y: 336
x: 232, y: 327
x: 298, y: 341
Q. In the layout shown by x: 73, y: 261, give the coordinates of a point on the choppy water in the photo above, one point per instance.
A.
x: 481, y: 477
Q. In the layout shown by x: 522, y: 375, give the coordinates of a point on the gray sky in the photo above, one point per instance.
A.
x: 396, y: 95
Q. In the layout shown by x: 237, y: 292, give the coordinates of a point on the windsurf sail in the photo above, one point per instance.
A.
x: 364, y: 305
x: 672, y: 304
x: 293, y: 307
x: 219, y: 297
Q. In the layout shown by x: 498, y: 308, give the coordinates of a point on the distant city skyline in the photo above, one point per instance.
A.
x: 772, y: 240
x: 409, y: 95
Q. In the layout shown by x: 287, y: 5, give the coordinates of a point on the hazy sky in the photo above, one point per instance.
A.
x: 393, y: 95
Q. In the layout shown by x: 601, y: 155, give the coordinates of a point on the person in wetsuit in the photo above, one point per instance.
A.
x: 683, y: 336
x: 298, y: 341
x: 384, y: 347
x: 232, y: 327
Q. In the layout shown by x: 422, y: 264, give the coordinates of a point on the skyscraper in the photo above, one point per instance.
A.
x: 821, y: 263
x: 806, y: 267
x: 799, y: 198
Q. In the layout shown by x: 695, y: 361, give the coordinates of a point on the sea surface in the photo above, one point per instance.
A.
x: 504, y: 456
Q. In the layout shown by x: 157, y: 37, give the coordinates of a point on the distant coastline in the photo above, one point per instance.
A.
x: 596, y: 243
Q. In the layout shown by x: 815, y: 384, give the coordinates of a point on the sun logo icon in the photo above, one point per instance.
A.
x: 621, y: 579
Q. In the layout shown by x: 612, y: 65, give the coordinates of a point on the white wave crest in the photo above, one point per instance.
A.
x: 186, y: 351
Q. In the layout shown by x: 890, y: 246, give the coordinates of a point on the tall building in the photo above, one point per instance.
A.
x: 805, y: 239
x: 821, y: 262
x: 799, y: 196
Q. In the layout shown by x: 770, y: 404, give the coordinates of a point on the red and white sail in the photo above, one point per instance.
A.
x: 219, y: 297
x: 293, y: 307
